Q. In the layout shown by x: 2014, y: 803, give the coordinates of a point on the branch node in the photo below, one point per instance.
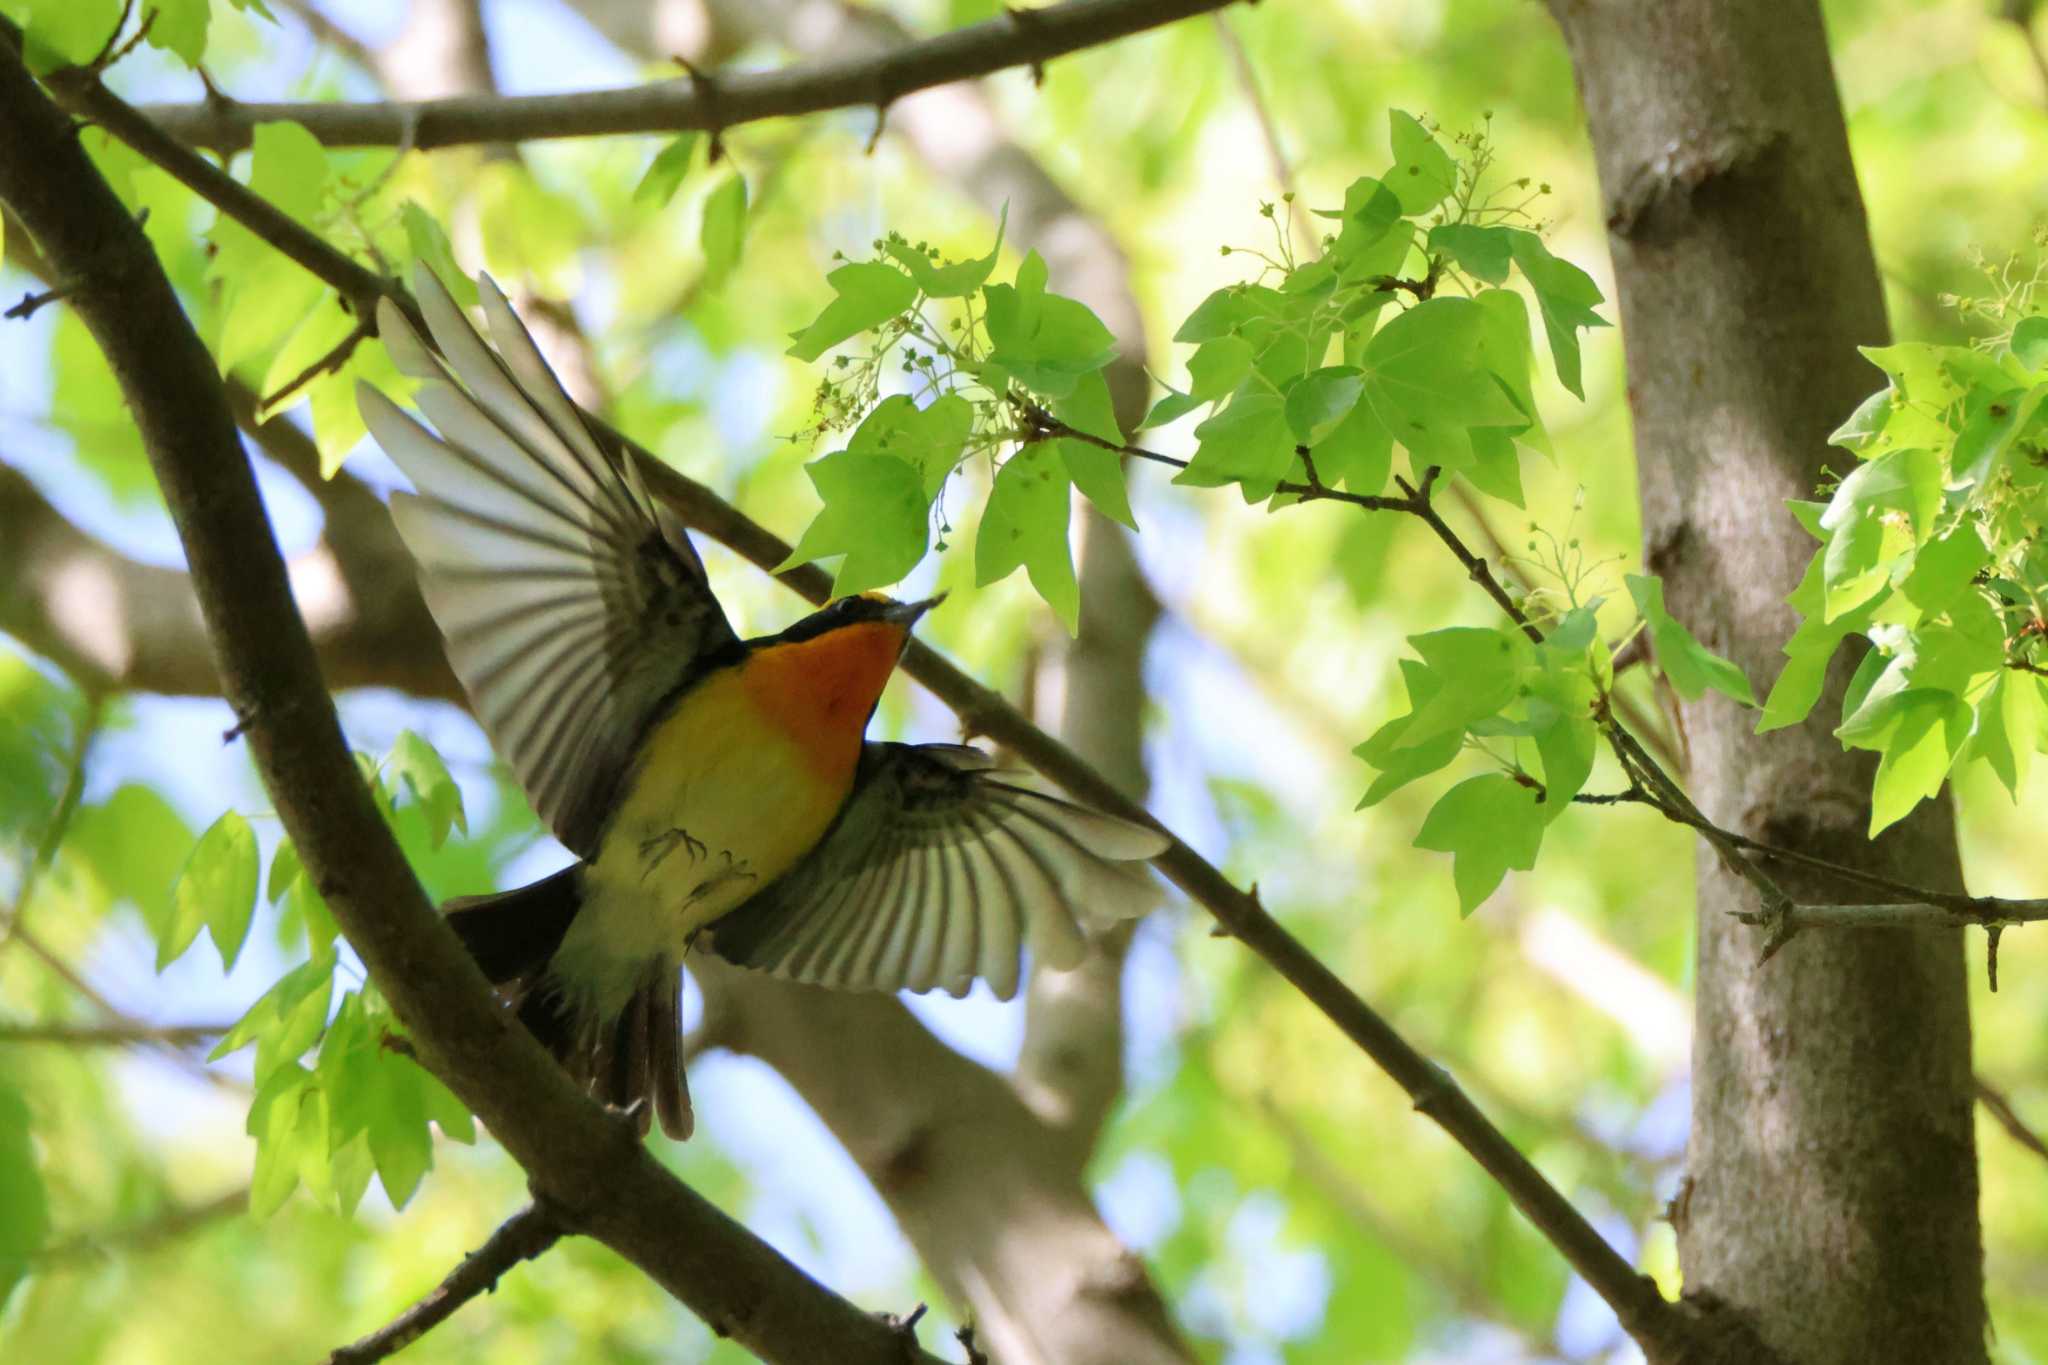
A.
x: 905, y: 1329
x: 705, y: 86
x: 31, y: 302
x: 1028, y: 21
x: 245, y: 716
x: 218, y: 101
x: 1433, y: 1092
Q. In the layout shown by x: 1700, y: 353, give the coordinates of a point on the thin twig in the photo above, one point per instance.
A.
x: 116, y: 1033
x: 336, y: 357
x: 166, y: 1226
x: 523, y: 1236
x: 2009, y: 1119
x: 1283, y: 171
x: 1012, y: 38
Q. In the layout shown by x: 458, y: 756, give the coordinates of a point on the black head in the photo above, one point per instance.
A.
x: 849, y: 611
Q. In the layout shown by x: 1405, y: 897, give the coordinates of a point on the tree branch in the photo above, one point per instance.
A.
x: 115, y: 1033
x: 1635, y: 1298
x: 2009, y: 1119
x: 523, y: 1236
x: 588, y: 1164
x: 1029, y: 37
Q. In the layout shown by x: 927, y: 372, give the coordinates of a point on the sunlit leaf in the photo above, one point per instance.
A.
x: 1691, y: 667
x: 216, y: 891
x: 725, y: 226
x: 1489, y: 825
x: 869, y: 293
x: 1025, y: 525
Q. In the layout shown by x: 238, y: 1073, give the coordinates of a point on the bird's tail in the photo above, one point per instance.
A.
x: 635, y: 1056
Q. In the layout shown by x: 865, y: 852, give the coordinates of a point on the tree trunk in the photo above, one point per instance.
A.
x: 1832, y: 1194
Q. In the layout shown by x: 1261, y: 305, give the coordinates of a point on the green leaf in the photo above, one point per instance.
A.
x: 1025, y: 524
x: 431, y: 246
x: 1863, y: 523
x: 1399, y: 760
x: 1358, y: 453
x: 1925, y: 730
x: 1475, y: 671
x: 724, y: 230
x: 1565, y: 296
x: 1488, y: 824
x: 1484, y: 253
x: 869, y: 293
x: 286, y: 1020
x: 1219, y: 366
x: 319, y: 331
x: 1171, y: 408
x: 1991, y: 421
x: 1222, y: 313
x: 1099, y: 474
x: 24, y: 1211
x: 1691, y: 666
x: 1496, y: 468
x: 1089, y: 409
x: 414, y: 762
x: 1799, y: 683
x: 217, y: 890
x: 284, y: 869
x: 664, y: 174
x: 1248, y: 443
x: 178, y: 27
x: 1423, y: 172
x: 874, y: 514
x: 65, y: 32
x: 955, y: 281
x: 128, y: 846
x: 929, y: 439
x: 1048, y: 341
x: 1318, y: 402
x: 1865, y: 426
x: 1368, y: 244
x: 2009, y: 728
x: 1944, y: 567
x: 1426, y: 380
x: 2030, y: 342
x: 1506, y: 354
x: 289, y: 1122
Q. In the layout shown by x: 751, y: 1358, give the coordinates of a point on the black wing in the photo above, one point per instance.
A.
x: 572, y: 602
x: 941, y: 869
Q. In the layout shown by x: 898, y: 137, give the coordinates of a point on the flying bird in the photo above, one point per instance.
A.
x: 717, y: 792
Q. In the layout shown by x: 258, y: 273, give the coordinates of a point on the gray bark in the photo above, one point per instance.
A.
x: 1832, y: 1195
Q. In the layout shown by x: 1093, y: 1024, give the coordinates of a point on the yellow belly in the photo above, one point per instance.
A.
x: 724, y: 801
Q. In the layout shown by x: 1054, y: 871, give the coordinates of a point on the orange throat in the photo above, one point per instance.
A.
x: 821, y: 691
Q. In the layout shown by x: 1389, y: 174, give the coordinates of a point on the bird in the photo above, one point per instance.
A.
x: 716, y: 792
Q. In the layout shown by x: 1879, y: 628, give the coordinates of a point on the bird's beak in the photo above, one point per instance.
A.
x: 905, y: 614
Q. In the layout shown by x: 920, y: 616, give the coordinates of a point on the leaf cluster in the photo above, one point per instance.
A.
x: 1931, y: 552
x: 358, y: 1105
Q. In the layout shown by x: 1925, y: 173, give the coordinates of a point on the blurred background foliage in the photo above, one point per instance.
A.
x: 1290, y: 1205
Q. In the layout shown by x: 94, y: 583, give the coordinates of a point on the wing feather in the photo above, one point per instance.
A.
x: 574, y: 606
x: 942, y: 868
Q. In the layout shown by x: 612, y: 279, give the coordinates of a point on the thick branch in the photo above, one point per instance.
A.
x: 588, y: 1164
x: 1015, y: 38
x: 1634, y: 1297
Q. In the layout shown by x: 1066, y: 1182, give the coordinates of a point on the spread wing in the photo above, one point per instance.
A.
x: 941, y: 869
x: 573, y: 603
